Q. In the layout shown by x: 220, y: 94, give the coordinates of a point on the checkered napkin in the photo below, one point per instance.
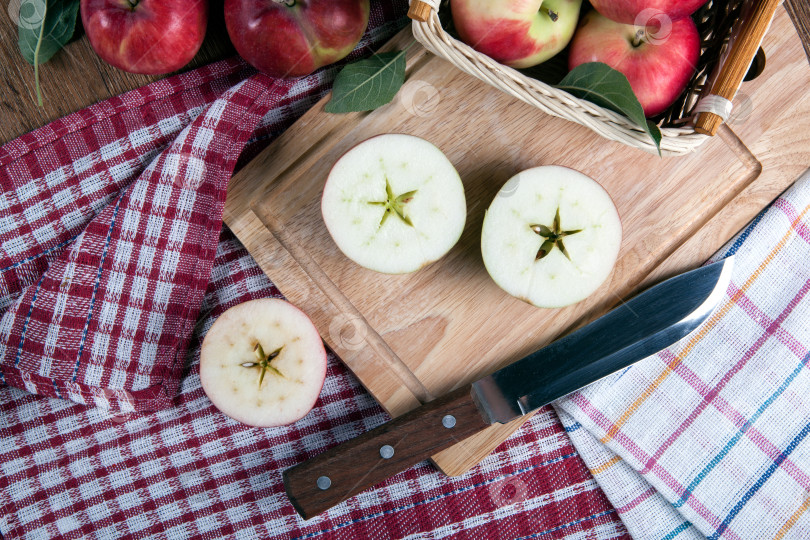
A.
x: 108, y: 322
x: 709, y: 437
x: 187, y: 471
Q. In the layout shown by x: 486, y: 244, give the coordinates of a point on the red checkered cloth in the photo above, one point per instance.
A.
x: 113, y: 267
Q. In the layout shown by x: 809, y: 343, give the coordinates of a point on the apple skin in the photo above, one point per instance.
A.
x: 516, y: 33
x: 629, y: 11
x: 149, y: 37
x: 658, y: 69
x: 288, y: 41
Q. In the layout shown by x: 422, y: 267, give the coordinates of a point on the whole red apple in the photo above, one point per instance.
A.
x: 520, y: 33
x: 150, y: 37
x: 658, y: 62
x: 642, y: 12
x: 293, y: 38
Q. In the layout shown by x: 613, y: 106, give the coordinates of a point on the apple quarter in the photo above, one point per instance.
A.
x: 394, y: 204
x: 263, y: 363
x: 551, y: 236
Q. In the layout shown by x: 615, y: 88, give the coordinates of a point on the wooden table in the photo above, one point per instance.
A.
x: 76, y: 77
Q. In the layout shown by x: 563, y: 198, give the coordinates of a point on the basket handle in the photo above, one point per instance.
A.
x: 736, y: 65
x: 420, y: 11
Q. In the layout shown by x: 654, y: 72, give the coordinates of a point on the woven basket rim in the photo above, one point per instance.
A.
x: 551, y: 100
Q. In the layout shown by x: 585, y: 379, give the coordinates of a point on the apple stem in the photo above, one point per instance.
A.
x: 288, y: 3
x: 551, y: 14
x: 639, y: 37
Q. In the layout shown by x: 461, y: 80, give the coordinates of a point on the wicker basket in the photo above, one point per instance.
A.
x: 715, y: 23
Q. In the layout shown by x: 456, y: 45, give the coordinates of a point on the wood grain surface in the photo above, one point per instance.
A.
x: 76, y: 77
x: 743, y: 47
x: 411, y: 338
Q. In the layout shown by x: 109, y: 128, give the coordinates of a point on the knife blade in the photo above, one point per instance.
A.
x: 645, y: 325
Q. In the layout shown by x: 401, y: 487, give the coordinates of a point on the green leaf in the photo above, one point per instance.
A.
x: 38, y: 41
x: 44, y: 27
x: 368, y: 84
x: 606, y: 87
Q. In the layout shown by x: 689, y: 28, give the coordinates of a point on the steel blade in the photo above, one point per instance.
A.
x: 647, y: 324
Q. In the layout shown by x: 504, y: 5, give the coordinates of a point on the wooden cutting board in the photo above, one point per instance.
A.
x: 414, y: 337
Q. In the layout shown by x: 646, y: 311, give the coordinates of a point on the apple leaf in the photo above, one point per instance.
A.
x: 608, y: 88
x: 44, y: 27
x: 367, y: 84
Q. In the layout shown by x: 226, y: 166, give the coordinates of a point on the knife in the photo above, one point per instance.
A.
x: 650, y: 322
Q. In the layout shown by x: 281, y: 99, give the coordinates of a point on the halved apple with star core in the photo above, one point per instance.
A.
x: 263, y: 363
x: 551, y: 236
x: 394, y: 204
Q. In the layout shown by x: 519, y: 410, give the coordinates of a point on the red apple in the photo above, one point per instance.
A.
x: 657, y: 61
x: 518, y: 33
x: 642, y: 12
x: 151, y: 37
x: 293, y: 38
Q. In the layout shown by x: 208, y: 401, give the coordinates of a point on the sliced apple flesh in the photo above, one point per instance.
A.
x: 551, y: 236
x: 394, y: 204
x: 263, y: 363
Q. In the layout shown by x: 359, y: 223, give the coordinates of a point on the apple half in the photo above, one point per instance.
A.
x: 263, y: 363
x: 551, y: 236
x: 394, y: 204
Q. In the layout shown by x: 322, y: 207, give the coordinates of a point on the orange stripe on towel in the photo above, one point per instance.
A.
x: 605, y: 466
x: 793, y: 519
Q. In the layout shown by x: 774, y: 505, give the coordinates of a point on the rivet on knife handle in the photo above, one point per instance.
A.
x: 347, y: 469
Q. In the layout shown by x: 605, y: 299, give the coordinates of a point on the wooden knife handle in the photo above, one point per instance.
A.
x: 347, y: 469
